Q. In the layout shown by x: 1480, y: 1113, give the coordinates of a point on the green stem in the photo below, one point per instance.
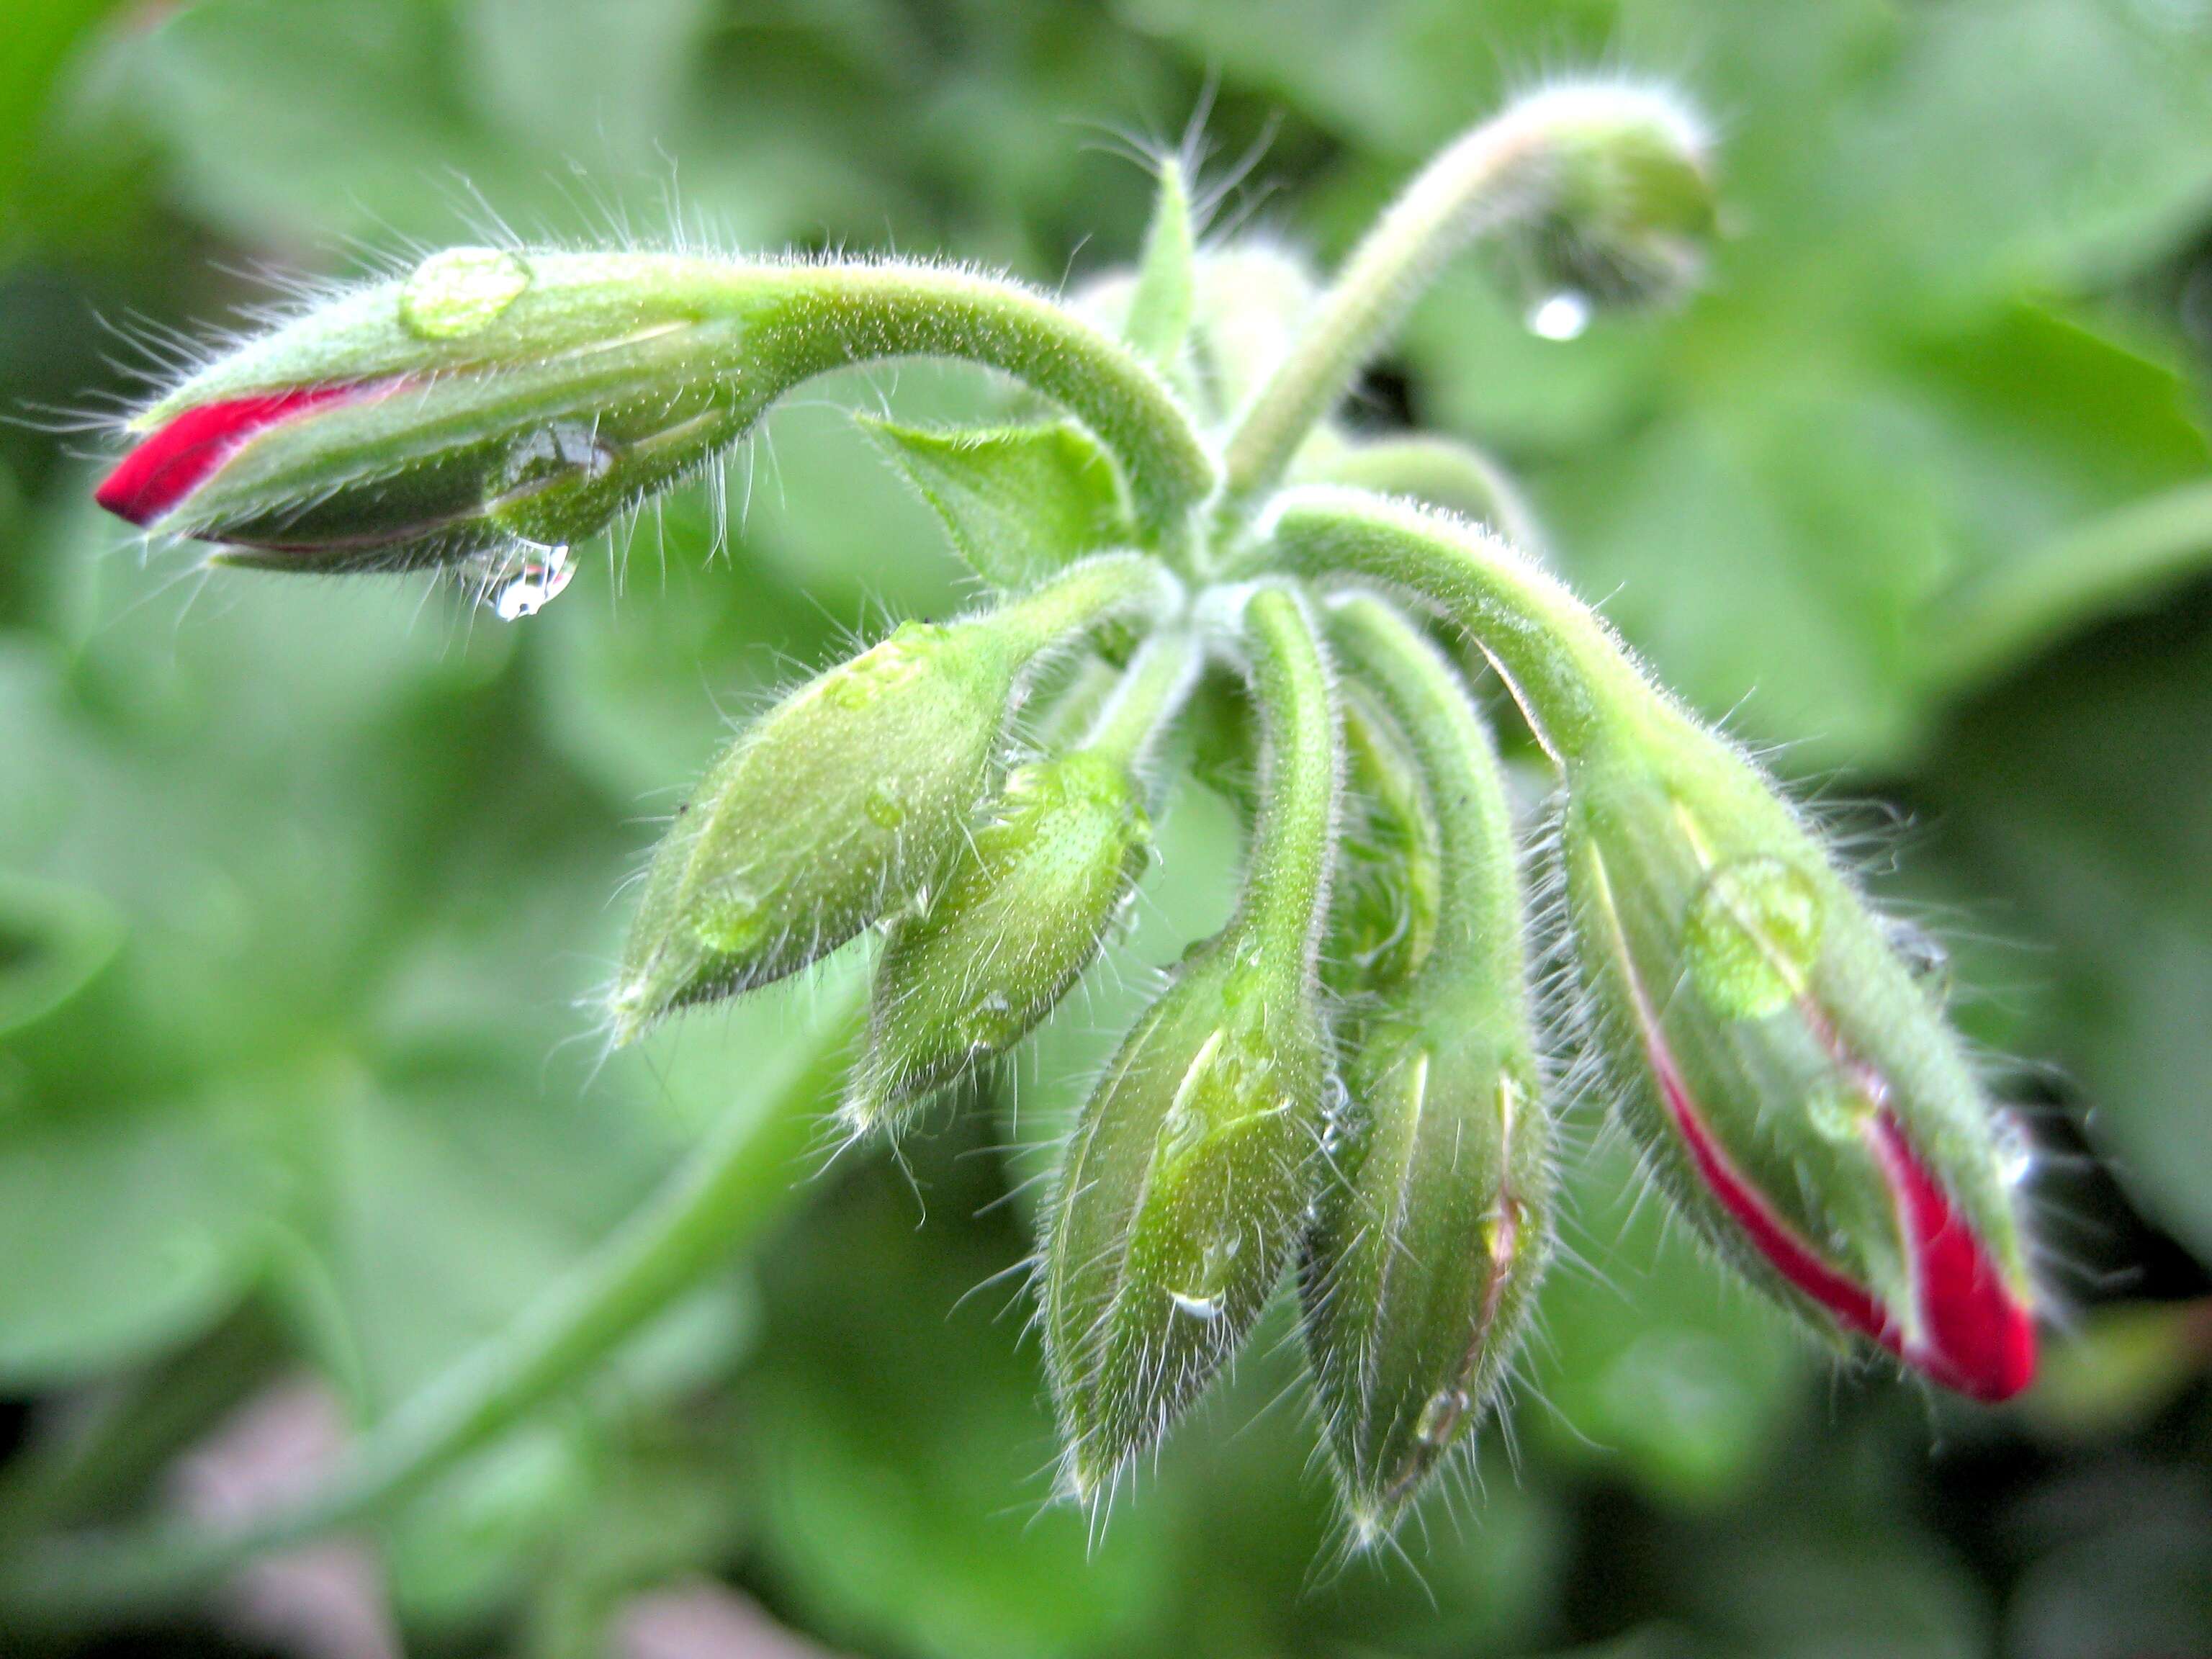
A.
x: 1442, y: 472
x: 1079, y: 599
x: 825, y: 317
x: 1573, y: 679
x: 1478, y: 921
x: 1159, y: 679
x: 734, y: 1183
x: 1160, y: 305
x: 1286, y: 879
x: 1468, y: 188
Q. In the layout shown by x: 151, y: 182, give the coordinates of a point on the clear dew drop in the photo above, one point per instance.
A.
x: 2015, y: 1148
x: 544, y: 576
x: 1561, y: 316
x: 1207, y: 1307
x: 884, y: 810
x: 457, y: 292
x: 1440, y: 1415
x: 1753, y: 936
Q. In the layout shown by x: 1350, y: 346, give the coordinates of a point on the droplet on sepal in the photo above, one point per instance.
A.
x: 1753, y: 936
x: 458, y: 291
x: 1562, y: 315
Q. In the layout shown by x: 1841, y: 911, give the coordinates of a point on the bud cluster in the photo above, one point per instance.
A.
x: 1343, y: 1088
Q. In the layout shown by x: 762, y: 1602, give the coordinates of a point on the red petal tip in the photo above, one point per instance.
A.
x: 179, y: 456
x: 1975, y: 1335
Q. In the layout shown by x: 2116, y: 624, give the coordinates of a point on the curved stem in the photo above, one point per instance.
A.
x: 824, y: 317
x: 1479, y: 903
x: 1443, y: 472
x: 1573, y: 679
x: 1468, y: 188
x: 1086, y: 594
x: 1159, y: 679
x: 1286, y: 880
x: 736, y: 1180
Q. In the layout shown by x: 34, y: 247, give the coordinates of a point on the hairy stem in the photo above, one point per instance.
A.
x: 1286, y: 879
x: 1468, y: 187
x: 735, y: 1182
x: 1573, y: 679
x: 1159, y: 677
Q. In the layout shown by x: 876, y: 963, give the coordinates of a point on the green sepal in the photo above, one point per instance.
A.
x: 1017, y: 923
x: 1019, y: 502
x: 1383, y: 909
x: 1160, y: 307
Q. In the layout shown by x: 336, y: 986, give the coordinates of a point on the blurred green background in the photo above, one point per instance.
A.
x: 305, y: 887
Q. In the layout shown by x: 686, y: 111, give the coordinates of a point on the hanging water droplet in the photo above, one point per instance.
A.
x: 544, y: 576
x: 1198, y: 1307
x: 2015, y: 1147
x: 460, y: 290
x: 1561, y: 316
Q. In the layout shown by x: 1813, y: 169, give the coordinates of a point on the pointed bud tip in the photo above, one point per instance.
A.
x: 181, y: 453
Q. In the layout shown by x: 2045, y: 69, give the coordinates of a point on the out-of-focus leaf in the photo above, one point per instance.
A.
x: 53, y: 940
x: 2079, y: 786
x: 1652, y: 1364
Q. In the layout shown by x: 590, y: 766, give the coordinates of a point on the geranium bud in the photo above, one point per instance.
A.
x: 848, y: 801
x: 1793, y: 1085
x: 1434, y: 1223
x: 1797, y: 1089
x: 1620, y: 200
x: 1051, y: 872
x: 1179, y: 1201
x: 493, y: 397
x: 1382, y: 908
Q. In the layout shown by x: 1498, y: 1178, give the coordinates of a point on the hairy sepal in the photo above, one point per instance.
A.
x: 1016, y: 923
x: 1794, y: 1087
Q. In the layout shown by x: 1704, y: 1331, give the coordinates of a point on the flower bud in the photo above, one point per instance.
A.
x: 1179, y: 1205
x: 1434, y: 1223
x: 1016, y: 923
x: 1180, y: 1200
x: 1620, y: 191
x: 848, y: 800
x: 1796, y: 1088
x: 492, y: 397
x: 1382, y: 909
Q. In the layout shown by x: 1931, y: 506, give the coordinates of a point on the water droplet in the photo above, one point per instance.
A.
x: 565, y: 452
x: 1922, y: 955
x: 1751, y: 937
x: 884, y: 810
x: 544, y: 576
x: 1561, y: 316
x: 988, y: 1026
x: 734, y: 921
x: 1198, y: 1307
x: 1837, y: 1109
x: 2015, y: 1147
x: 1440, y: 1415
x: 460, y: 290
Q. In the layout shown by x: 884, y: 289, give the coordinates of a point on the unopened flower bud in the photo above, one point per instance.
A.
x: 1180, y: 1200
x: 1798, y: 1091
x: 847, y: 801
x: 1621, y: 199
x: 495, y: 397
x: 1434, y: 1223
x: 1382, y: 908
x: 1016, y: 923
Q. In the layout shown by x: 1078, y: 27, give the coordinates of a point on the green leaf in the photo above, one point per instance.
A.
x: 1019, y: 502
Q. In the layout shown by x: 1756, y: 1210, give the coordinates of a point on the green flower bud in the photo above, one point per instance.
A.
x: 1619, y: 201
x: 1383, y: 911
x: 848, y: 800
x: 1019, y: 919
x: 1795, y: 1087
x: 1434, y: 1228
x: 1180, y: 1199
x: 493, y: 398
